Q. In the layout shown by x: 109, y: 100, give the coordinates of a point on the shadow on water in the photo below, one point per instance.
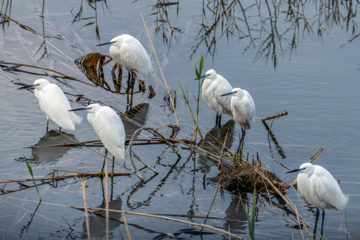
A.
x: 136, y: 118
x: 97, y: 223
x: 42, y: 154
x: 213, y: 143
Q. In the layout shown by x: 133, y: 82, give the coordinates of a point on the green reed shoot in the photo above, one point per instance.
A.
x: 251, y: 221
x: 32, y: 175
x: 198, y: 72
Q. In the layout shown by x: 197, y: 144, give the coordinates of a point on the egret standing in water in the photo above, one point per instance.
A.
x: 319, y: 188
x: 128, y: 52
x: 213, y: 86
x: 110, y: 129
x: 54, y: 104
x: 243, y: 110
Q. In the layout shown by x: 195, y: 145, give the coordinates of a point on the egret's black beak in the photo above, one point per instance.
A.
x: 229, y: 93
x: 79, y: 109
x: 295, y: 170
x: 203, y: 76
x: 27, y: 86
x: 106, y: 43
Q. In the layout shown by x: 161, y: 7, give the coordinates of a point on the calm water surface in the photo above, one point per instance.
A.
x: 308, y: 67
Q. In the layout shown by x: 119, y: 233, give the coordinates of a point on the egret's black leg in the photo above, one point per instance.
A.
x: 316, y: 220
x: 322, y: 224
x: 47, y: 124
x: 60, y: 129
x: 132, y: 82
x: 128, y: 81
x: 242, y: 139
x: 219, y: 120
x: 106, y: 153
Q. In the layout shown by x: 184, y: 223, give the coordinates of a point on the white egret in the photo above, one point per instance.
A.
x: 110, y: 129
x: 243, y: 110
x: 319, y: 188
x: 54, y: 104
x: 130, y: 53
x: 213, y: 86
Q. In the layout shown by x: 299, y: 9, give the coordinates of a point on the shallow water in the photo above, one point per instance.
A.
x: 317, y: 83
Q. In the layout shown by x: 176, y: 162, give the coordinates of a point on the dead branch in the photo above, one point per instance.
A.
x: 284, y: 113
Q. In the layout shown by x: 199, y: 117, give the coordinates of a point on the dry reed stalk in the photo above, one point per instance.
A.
x: 162, y: 74
x: 17, y: 65
x: 107, y: 198
x: 168, y: 219
x: 310, y: 161
x: 62, y: 177
x: 126, y: 225
x: 284, y: 113
x: 212, y: 202
x: 286, y: 199
x: 217, y: 187
x: 86, y: 210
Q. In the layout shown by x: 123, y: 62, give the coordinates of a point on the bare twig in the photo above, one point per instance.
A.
x: 310, y: 161
x: 168, y: 219
x: 162, y: 74
x: 284, y: 113
x: 86, y: 210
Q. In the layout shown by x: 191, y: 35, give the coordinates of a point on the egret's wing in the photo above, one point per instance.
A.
x: 223, y: 86
x: 110, y: 129
x: 328, y: 190
x: 210, y: 99
x: 55, y: 105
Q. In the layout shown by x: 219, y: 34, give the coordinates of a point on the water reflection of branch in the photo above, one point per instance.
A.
x: 274, y: 26
x: 26, y: 227
x: 163, y: 24
x: 272, y: 137
x: 78, y: 16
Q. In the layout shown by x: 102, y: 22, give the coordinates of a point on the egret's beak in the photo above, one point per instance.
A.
x: 204, y: 76
x: 229, y: 93
x: 295, y: 170
x: 27, y: 86
x: 79, y: 109
x: 105, y: 43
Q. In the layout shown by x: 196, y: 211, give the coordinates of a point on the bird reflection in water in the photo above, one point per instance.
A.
x: 213, y: 144
x: 236, y: 212
x: 42, y: 152
x: 135, y: 118
x: 97, y: 223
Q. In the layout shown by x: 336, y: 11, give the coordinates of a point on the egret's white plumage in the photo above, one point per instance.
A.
x: 130, y: 53
x: 243, y: 110
x: 213, y: 86
x: 319, y: 188
x: 109, y: 127
x: 54, y: 104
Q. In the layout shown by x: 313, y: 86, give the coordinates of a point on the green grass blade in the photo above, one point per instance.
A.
x: 32, y: 175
